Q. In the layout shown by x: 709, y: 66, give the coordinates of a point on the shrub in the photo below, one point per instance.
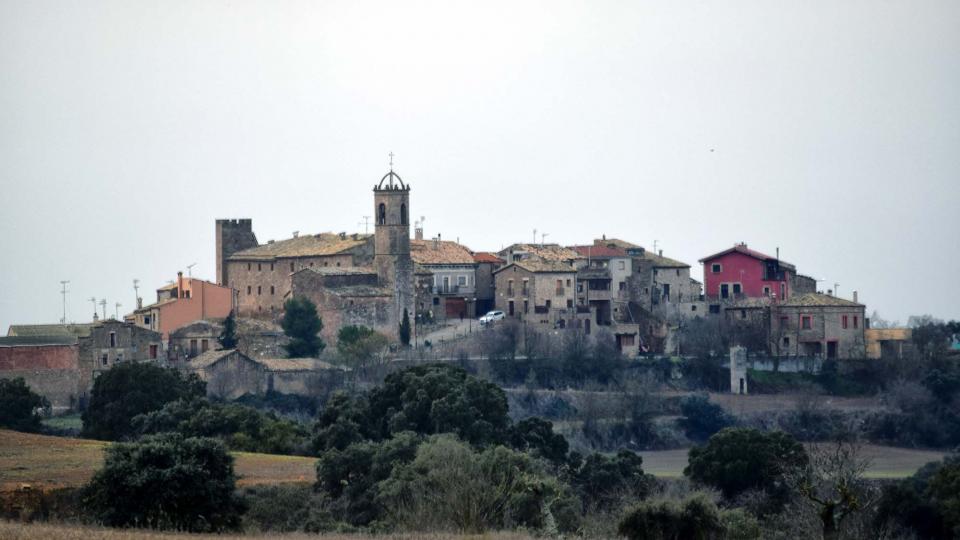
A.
x: 166, y: 482
x: 357, y: 345
x: 695, y: 518
x: 701, y: 419
x: 536, y: 436
x: 19, y: 406
x: 737, y: 459
x: 286, y: 508
x: 603, y: 481
x: 129, y: 389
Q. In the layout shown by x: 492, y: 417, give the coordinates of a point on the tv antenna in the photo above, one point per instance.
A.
x: 366, y: 224
x: 103, y: 306
x: 136, y: 292
x: 543, y: 236
x: 836, y: 289
x: 94, y: 300
x: 189, y: 268
x: 116, y: 312
x: 64, y: 291
x: 534, y: 236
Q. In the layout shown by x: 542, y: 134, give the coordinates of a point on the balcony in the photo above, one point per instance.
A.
x: 456, y: 289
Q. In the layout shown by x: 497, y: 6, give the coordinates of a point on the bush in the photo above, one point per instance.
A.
x: 738, y: 459
x: 695, y: 518
x: 603, y: 481
x: 701, y: 419
x: 19, y: 406
x: 357, y: 345
x: 286, y: 508
x: 536, y: 436
x: 129, y: 389
x: 166, y: 482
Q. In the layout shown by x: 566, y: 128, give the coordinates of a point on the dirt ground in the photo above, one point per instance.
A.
x: 54, y: 462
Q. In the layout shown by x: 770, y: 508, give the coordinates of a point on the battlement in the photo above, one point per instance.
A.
x: 243, y: 222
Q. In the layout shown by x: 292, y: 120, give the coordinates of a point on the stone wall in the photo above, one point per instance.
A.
x: 99, y: 352
x: 49, y: 370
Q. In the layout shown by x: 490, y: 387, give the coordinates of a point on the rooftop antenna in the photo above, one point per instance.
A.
x: 189, y: 268
x: 534, y: 236
x: 366, y: 224
x: 136, y: 291
x: 836, y: 289
x: 116, y: 312
x: 64, y: 291
x: 543, y: 236
x: 94, y: 300
x: 103, y: 306
x: 655, y: 246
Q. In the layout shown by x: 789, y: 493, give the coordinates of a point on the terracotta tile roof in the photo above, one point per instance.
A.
x: 487, y: 257
x: 210, y: 358
x: 50, y: 330
x: 659, y: 261
x: 430, y: 252
x: 742, y: 248
x: 544, y: 252
x: 599, y: 252
x: 340, y: 270
x: 533, y: 265
x: 310, y: 245
x: 817, y: 299
x: 292, y: 364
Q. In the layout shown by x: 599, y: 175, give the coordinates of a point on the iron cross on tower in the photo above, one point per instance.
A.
x: 391, y: 161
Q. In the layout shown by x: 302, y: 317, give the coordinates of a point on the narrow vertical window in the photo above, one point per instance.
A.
x: 382, y: 214
x: 403, y: 214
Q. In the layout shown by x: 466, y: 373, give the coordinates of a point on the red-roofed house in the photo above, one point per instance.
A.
x: 741, y: 272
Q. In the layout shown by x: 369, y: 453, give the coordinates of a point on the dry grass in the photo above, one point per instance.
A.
x: 57, y: 462
x: 19, y: 531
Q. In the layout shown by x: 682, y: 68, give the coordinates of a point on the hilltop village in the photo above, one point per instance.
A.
x: 641, y: 297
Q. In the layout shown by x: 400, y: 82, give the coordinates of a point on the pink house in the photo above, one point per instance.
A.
x: 740, y: 272
x: 186, y: 301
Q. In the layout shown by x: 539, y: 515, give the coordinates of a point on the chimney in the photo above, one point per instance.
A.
x: 179, y: 284
x: 436, y: 242
x: 296, y: 234
x: 855, y: 297
x: 418, y: 233
x: 829, y: 292
x: 661, y: 253
x: 343, y: 236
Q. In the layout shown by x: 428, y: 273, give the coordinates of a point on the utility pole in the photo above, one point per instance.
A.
x: 366, y: 224
x: 64, y: 291
x: 103, y: 306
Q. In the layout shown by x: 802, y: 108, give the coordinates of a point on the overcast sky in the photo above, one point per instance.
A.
x: 829, y: 129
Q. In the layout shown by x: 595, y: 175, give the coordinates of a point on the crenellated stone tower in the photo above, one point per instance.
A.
x: 391, y: 259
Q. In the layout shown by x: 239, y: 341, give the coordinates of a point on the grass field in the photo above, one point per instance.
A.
x: 886, y: 461
x: 19, y: 531
x: 53, y: 462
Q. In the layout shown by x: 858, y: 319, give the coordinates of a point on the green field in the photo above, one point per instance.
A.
x: 67, y: 421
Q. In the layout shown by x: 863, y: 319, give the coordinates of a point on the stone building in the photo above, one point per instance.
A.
x: 453, y: 284
x: 348, y: 296
x: 539, y: 252
x: 741, y: 272
x: 893, y: 343
x: 819, y: 325
x: 540, y: 292
x: 487, y: 264
x: 63, y: 360
x: 230, y: 374
x: 183, y: 302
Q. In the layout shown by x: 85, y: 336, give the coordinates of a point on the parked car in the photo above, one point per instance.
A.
x: 492, y: 316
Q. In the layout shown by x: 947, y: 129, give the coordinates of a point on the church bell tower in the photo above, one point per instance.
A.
x: 391, y: 210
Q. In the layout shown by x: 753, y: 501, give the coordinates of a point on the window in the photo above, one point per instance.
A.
x: 678, y: 271
x: 844, y: 323
x: 623, y: 265
x: 509, y: 287
x: 248, y: 267
x: 569, y: 302
x: 716, y: 268
x: 766, y: 291
x: 549, y: 304
x: 291, y: 267
x: 259, y: 289
x: 259, y: 267
x: 623, y: 285
x: 271, y: 267
x: 249, y: 290
x: 714, y: 308
x: 783, y: 291
x: 382, y: 214
x: 461, y: 281
x: 153, y: 351
x: 146, y: 320
x: 526, y: 306
x: 525, y: 288
x: 786, y: 342
x: 271, y: 290
x: 103, y: 359
x: 693, y: 307
x: 510, y: 308
x: 568, y: 283
x: 737, y: 289
x: 784, y: 321
x: 113, y: 339
x: 436, y: 301
x: 403, y: 214
x: 856, y: 321
x: 204, y: 345
x: 743, y: 314
x: 806, y: 322
x: 724, y: 290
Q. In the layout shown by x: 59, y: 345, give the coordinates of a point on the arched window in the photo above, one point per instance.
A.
x: 403, y: 214
x: 382, y: 214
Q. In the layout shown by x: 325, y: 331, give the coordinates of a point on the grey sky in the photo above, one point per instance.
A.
x: 829, y: 129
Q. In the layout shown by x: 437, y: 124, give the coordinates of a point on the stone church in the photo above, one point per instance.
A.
x: 353, y: 279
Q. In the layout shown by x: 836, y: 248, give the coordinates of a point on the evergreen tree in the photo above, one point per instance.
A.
x: 228, y: 338
x: 302, y: 324
x: 405, y: 328
x: 19, y: 406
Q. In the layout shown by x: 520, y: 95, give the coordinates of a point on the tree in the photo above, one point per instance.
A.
x: 228, y: 338
x: 405, y: 328
x: 357, y: 345
x: 131, y: 388
x: 602, y: 481
x: 944, y: 492
x: 737, y: 459
x: 832, y: 481
x: 535, y: 435
x: 302, y: 324
x: 701, y: 419
x: 166, y: 482
x: 19, y: 406
x: 695, y: 518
